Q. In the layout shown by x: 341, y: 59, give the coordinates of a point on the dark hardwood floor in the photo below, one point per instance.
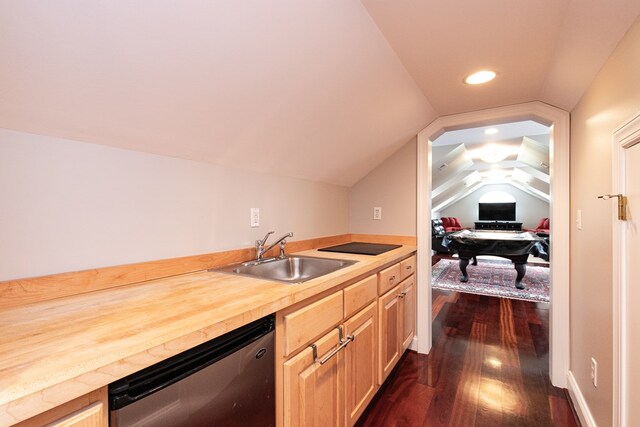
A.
x: 488, y: 367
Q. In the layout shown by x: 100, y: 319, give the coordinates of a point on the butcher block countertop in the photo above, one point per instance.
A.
x: 54, y: 351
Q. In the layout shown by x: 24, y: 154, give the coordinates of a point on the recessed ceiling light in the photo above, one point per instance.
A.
x: 491, y: 131
x: 480, y: 77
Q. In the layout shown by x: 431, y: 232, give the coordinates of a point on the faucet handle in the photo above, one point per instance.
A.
x: 283, y: 242
x: 263, y: 241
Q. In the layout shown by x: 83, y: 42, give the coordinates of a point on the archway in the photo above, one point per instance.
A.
x: 558, y: 121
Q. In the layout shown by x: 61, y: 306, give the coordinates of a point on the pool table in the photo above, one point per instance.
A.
x: 513, y: 245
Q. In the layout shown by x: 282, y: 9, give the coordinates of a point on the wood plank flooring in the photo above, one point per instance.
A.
x: 488, y: 367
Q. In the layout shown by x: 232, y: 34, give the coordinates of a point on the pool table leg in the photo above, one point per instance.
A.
x: 463, y: 268
x: 521, y: 269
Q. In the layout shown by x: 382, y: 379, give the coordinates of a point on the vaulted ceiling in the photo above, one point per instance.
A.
x: 465, y: 160
x: 320, y: 90
x: 545, y: 50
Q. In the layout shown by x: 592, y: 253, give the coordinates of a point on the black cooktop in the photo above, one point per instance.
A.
x: 361, y: 248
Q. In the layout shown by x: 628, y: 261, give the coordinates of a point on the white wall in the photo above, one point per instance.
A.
x: 529, y: 209
x: 612, y: 99
x: 391, y: 186
x: 67, y: 205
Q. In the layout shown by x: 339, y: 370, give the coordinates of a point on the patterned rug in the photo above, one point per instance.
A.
x: 493, y: 278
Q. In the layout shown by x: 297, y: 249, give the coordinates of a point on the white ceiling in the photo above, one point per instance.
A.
x: 545, y: 50
x: 320, y: 90
x: 459, y: 169
x: 308, y: 89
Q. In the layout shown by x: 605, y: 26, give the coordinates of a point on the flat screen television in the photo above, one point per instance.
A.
x: 497, y: 211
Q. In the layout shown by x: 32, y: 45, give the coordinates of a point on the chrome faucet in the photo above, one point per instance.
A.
x: 261, y: 250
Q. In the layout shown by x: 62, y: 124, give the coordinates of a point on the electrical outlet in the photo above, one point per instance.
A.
x: 255, y: 217
x: 377, y: 213
x: 579, y: 219
x: 594, y: 372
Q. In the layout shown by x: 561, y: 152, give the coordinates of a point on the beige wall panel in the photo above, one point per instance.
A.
x: 71, y: 206
x: 529, y: 209
x: 612, y: 98
x: 391, y: 186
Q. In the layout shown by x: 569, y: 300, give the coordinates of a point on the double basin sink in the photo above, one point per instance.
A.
x: 287, y: 269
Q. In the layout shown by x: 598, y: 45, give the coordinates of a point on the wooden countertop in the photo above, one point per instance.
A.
x: 54, y: 351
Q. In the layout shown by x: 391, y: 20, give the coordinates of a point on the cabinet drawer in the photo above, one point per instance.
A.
x: 359, y: 295
x: 388, y: 278
x: 311, y: 321
x: 407, y: 267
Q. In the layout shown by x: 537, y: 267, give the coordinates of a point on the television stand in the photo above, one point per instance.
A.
x: 498, y: 225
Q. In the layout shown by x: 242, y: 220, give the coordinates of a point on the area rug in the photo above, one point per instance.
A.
x: 493, y: 278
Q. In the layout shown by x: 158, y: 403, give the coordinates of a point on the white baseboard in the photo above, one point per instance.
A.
x: 414, y: 344
x: 586, y: 419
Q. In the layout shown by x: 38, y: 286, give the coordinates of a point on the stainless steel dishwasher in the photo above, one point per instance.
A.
x: 228, y: 381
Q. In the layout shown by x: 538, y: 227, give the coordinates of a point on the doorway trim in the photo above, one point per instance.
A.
x: 624, y: 137
x: 559, y: 214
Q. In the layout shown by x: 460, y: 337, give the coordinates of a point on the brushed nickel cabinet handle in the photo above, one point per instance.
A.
x: 343, y: 344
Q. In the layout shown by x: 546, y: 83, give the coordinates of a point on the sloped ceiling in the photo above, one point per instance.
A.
x: 466, y: 160
x: 545, y: 50
x: 320, y: 90
x: 307, y: 89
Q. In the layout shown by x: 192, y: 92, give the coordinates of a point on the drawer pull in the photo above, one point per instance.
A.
x: 408, y: 267
x: 392, y: 278
x: 343, y: 343
x: 402, y: 294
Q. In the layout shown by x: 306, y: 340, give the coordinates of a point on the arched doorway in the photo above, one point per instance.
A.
x: 558, y: 121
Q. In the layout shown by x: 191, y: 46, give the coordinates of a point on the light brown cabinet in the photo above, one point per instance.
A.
x: 359, y: 295
x: 360, y: 362
x: 90, y: 416
x: 408, y: 311
x: 397, y: 318
x: 389, y: 332
x: 337, y: 350
x: 89, y: 410
x: 311, y: 321
x: 388, y: 278
x: 314, y: 391
x: 407, y: 267
x: 333, y: 380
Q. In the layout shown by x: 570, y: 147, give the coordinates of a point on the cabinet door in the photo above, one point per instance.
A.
x: 360, y: 362
x: 89, y: 410
x: 314, y: 393
x: 389, y: 333
x: 408, y: 310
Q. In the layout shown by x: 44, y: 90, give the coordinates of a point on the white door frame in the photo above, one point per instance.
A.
x: 558, y: 120
x: 624, y: 137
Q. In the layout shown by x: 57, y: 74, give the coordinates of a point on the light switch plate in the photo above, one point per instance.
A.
x: 255, y: 217
x: 377, y: 213
x: 579, y: 219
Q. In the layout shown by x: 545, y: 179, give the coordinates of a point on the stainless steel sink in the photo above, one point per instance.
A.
x: 288, y: 269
